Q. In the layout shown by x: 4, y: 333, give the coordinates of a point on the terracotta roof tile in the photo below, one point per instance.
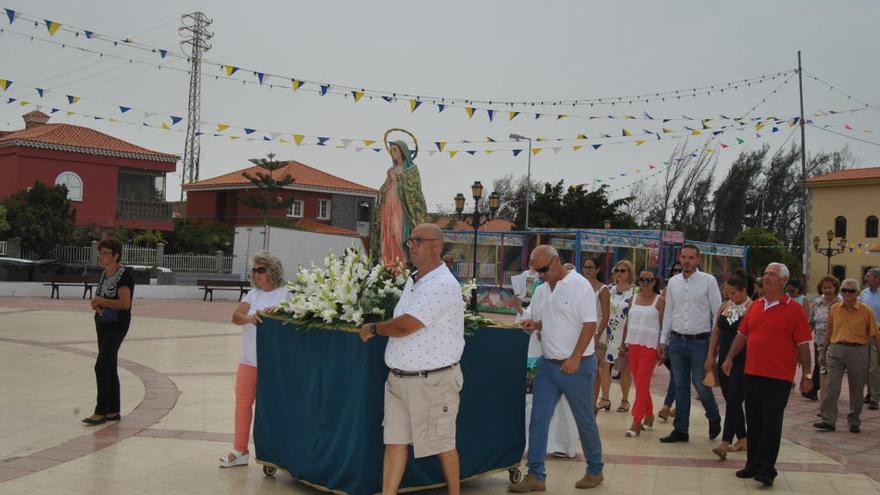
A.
x: 323, y: 228
x: 496, y: 225
x: 847, y: 175
x: 66, y: 137
x: 304, y: 177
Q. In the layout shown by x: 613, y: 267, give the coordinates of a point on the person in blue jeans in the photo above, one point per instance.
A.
x: 563, y: 309
x: 692, y: 299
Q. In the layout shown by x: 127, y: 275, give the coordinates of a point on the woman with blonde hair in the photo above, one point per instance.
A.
x: 590, y: 271
x: 268, y: 291
x: 622, y: 293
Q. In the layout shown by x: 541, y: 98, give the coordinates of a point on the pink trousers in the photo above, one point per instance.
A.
x: 245, y: 393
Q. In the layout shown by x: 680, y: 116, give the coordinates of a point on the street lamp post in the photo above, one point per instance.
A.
x: 477, y: 220
x: 829, y: 251
x: 517, y: 137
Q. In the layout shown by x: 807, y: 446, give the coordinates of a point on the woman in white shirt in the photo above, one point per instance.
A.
x: 590, y: 271
x: 268, y: 290
x: 641, y: 335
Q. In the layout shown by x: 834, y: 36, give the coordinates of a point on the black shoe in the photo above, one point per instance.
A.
x: 714, y: 428
x: 855, y: 429
x: 113, y: 417
x: 746, y: 474
x: 675, y: 436
x: 873, y: 405
x: 867, y: 399
x: 94, y: 422
x: 811, y: 395
x: 764, y: 479
x: 821, y: 425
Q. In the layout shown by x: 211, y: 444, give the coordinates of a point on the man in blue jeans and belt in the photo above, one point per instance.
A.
x: 563, y: 309
x: 692, y: 301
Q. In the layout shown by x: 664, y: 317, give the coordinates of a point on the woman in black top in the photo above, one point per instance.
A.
x: 733, y: 386
x: 112, y: 305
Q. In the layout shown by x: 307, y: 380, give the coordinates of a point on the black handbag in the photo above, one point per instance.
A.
x: 108, y: 315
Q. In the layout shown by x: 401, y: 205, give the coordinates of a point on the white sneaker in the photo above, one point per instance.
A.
x: 234, y: 458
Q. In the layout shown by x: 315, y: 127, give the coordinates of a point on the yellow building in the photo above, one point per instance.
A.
x: 846, y: 204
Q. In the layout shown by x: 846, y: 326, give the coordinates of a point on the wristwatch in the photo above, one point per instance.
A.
x: 808, y: 376
x: 374, y: 329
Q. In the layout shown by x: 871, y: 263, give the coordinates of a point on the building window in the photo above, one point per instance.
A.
x: 73, y: 183
x: 840, y: 227
x: 871, y: 226
x: 364, y: 212
x: 323, y: 209
x: 296, y: 209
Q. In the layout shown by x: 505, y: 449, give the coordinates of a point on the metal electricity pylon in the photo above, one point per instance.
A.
x: 195, y: 41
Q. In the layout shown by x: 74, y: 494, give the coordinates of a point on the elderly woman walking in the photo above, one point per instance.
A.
x: 267, y: 279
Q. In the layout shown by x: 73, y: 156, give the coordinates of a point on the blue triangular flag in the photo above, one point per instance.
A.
x: 54, y: 110
x: 199, y: 133
x: 11, y: 15
x: 175, y: 120
x: 596, y: 146
x: 249, y: 131
x: 163, y: 53
x: 123, y: 109
x: 10, y: 100
x: 88, y: 34
x: 376, y: 149
x: 472, y: 152
x: 70, y: 99
x: 322, y: 141
x: 775, y: 129
x: 40, y: 91
x: 387, y: 98
x: 260, y: 76
x: 491, y: 116
x: 440, y: 107
x: 324, y: 89
x: 537, y: 116
x: 516, y: 152
x: 266, y: 138
x: 98, y: 118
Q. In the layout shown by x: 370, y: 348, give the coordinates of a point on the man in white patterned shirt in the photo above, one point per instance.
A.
x: 692, y: 301
x: 426, y: 341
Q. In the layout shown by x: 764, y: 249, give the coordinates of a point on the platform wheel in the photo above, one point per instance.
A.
x: 515, y: 475
x: 269, y: 470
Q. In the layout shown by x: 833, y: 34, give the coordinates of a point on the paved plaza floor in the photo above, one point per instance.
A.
x: 177, y: 370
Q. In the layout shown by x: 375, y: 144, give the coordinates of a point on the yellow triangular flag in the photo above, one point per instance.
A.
x: 111, y: 119
x: 53, y: 26
x: 222, y: 127
x: 640, y: 142
x: 233, y: 138
x: 296, y: 84
x: 535, y: 151
x: 470, y: 111
x: 489, y: 152
x: 24, y: 103
x: 695, y: 132
x: 413, y: 104
x: 74, y: 99
x: 710, y: 150
x: 668, y: 130
x: 627, y: 133
x: 452, y: 153
x: 576, y: 147
x: 512, y: 114
x: 759, y: 127
x: 283, y: 141
x: 229, y: 69
x: 298, y: 139
x: 165, y: 126
x: 69, y: 113
x: 4, y: 83
x: 441, y: 145
x: 560, y: 117
x: 582, y: 136
x: 358, y: 95
x: 368, y: 142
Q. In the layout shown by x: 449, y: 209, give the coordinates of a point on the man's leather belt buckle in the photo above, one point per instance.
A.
x: 699, y: 336
x: 423, y: 373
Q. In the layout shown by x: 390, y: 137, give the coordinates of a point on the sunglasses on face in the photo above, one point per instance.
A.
x: 849, y: 291
x: 620, y: 270
x: 259, y: 269
x: 417, y: 241
x: 545, y: 269
x: 646, y: 280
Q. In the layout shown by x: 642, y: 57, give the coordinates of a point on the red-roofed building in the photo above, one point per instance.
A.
x: 110, y: 182
x: 322, y: 199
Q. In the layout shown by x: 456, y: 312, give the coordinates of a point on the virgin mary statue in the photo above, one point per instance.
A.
x: 399, y: 207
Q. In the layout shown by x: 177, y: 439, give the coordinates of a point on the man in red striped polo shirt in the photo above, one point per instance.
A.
x: 778, y: 336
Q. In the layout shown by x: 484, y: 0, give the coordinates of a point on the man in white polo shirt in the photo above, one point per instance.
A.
x: 563, y: 309
x: 426, y: 341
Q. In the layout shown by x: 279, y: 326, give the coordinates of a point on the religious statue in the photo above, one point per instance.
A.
x: 400, y: 205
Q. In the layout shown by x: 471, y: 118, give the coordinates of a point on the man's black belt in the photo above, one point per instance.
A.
x: 424, y: 373
x: 851, y: 344
x: 699, y: 336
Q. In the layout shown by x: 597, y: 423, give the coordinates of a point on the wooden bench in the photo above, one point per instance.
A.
x: 87, y: 282
x: 209, y: 286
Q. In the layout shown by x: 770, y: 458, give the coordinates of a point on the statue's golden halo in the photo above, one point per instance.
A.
x: 415, y: 141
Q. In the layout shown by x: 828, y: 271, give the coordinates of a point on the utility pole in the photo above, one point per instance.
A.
x: 804, y: 241
x: 195, y: 39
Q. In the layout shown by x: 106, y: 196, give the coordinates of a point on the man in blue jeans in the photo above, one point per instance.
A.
x: 563, y: 309
x: 692, y: 301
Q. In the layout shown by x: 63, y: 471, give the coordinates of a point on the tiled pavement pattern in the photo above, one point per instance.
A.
x: 176, y: 368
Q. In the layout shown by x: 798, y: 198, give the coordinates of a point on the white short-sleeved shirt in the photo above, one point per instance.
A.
x: 258, y: 299
x: 562, y: 313
x: 435, y: 300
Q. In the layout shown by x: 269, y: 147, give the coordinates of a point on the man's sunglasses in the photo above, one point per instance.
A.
x: 417, y: 241
x: 545, y: 269
x: 849, y: 291
x: 259, y: 269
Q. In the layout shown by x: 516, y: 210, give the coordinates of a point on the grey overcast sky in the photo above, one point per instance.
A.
x: 490, y: 50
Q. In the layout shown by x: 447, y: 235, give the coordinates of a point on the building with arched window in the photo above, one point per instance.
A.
x: 110, y: 182
x: 846, y: 204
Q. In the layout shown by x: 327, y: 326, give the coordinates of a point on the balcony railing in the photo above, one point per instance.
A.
x: 143, y: 210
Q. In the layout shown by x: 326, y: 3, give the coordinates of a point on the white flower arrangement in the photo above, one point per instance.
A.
x: 351, y: 290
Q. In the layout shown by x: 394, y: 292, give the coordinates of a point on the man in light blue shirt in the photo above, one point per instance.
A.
x: 871, y: 296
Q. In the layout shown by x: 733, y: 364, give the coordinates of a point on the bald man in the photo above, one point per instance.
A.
x: 425, y: 344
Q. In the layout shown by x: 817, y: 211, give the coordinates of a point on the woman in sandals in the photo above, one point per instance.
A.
x: 268, y: 291
x: 590, y: 271
x: 622, y: 293
x: 733, y: 385
x: 641, y: 334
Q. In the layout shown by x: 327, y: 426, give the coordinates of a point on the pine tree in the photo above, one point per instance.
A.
x: 269, y: 183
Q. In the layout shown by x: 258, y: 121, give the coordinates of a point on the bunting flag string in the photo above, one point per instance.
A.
x: 471, y: 106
